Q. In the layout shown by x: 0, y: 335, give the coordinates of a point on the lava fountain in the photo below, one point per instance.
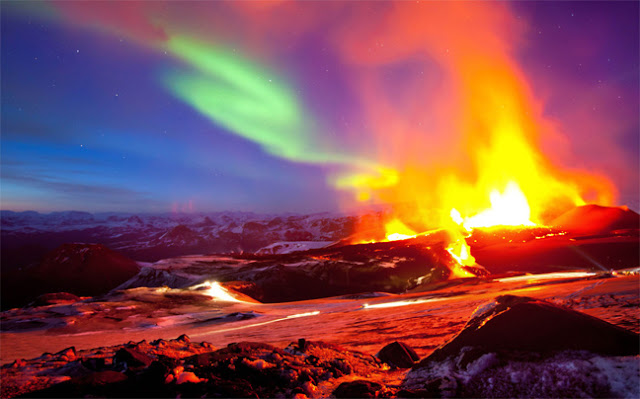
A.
x: 479, y: 163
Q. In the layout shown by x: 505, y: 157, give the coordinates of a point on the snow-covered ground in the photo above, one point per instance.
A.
x: 364, y: 322
x: 389, y: 291
x: 292, y: 246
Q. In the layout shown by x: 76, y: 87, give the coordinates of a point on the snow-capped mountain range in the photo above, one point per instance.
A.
x: 26, y: 236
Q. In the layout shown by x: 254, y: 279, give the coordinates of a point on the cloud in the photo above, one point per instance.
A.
x: 75, y: 194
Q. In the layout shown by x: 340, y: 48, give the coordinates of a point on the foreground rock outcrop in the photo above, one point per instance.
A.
x: 523, y: 347
x: 181, y: 368
x: 511, y: 347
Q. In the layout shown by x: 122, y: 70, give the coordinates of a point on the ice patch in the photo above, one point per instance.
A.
x: 567, y: 374
x: 285, y: 247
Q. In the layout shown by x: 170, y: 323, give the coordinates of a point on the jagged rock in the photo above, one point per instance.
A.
x: 54, y: 298
x: 524, y: 347
x: 100, y: 378
x: 398, y: 354
x: 67, y: 354
x: 523, y: 324
x: 417, y: 393
x: 94, y: 363
x: 183, y: 338
x: 92, y: 385
x: 18, y: 363
x: 357, y: 389
x: 131, y: 359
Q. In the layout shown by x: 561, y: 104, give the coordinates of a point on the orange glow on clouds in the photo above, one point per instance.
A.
x: 463, y: 130
x: 466, y: 139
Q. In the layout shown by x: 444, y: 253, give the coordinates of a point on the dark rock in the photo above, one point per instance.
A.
x: 158, y: 370
x: 98, y: 384
x: 100, y: 378
x: 416, y: 393
x: 94, y: 363
x: 131, y: 359
x: 67, y: 354
x: 398, y: 354
x: 248, y: 288
x: 594, y: 219
x: 302, y: 344
x: 54, y: 298
x: 442, y: 387
x: 184, y: 338
x: 357, y: 389
x: 18, y: 363
x: 230, y: 389
x: 160, y: 343
x: 521, y: 324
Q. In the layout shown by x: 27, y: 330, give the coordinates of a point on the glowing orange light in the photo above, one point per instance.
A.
x: 508, y: 208
x: 396, y: 230
x: 461, y: 253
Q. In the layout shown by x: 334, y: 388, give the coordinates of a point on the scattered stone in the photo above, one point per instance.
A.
x: 131, y: 359
x: 160, y: 343
x: 416, y: 393
x: 184, y: 338
x: 100, y: 378
x: 302, y: 344
x: 67, y: 354
x: 159, y: 370
x: 95, y: 384
x: 357, y: 389
x: 398, y: 354
x: 94, y: 363
x: 207, y: 345
x: 55, y: 298
x: 188, y: 376
x: 18, y: 363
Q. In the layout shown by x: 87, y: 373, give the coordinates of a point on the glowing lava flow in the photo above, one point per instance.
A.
x: 509, y: 208
x: 457, y: 248
x: 216, y: 291
x: 396, y: 230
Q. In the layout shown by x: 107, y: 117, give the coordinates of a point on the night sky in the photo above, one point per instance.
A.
x: 210, y: 106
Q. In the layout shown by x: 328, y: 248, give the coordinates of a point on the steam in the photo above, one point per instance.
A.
x: 449, y: 115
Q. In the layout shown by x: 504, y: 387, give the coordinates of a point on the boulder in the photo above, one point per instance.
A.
x: 357, y: 389
x: 99, y: 384
x: 521, y: 324
x: 131, y: 359
x: 398, y: 354
x: 55, y: 298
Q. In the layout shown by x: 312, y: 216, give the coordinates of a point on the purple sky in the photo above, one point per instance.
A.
x: 88, y: 121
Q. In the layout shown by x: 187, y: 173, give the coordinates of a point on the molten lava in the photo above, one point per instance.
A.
x: 474, y: 147
x: 396, y: 230
x: 508, y: 208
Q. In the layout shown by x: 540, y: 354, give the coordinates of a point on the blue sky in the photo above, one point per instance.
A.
x: 88, y: 125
